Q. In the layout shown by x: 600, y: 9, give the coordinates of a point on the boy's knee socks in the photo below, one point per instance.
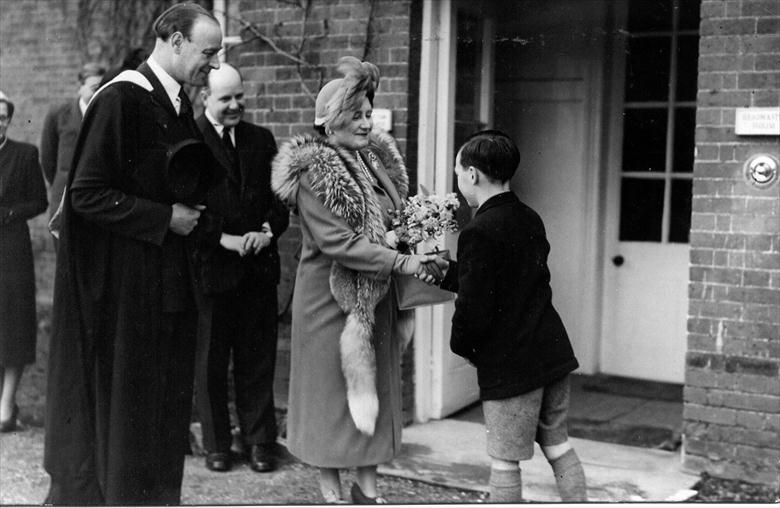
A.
x: 506, y: 486
x: 569, y: 477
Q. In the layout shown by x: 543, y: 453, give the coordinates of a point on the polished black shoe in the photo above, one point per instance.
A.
x: 262, y: 458
x: 10, y: 425
x: 218, y: 461
x: 359, y: 498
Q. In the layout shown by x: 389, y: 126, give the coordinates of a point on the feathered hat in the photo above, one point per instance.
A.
x: 341, y: 95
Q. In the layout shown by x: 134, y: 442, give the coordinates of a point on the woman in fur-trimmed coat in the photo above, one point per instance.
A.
x: 345, y: 381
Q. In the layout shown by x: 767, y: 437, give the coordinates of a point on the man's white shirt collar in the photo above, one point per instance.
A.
x: 82, y: 106
x: 219, y: 127
x: 171, y: 86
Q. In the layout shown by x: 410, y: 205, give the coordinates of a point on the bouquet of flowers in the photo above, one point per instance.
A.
x: 424, y: 217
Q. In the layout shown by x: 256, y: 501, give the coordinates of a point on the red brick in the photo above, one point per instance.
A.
x: 707, y: 152
x: 702, y: 222
x: 710, y: 240
x: 701, y: 257
x: 756, y: 278
x: 725, y: 26
x: 761, y: 44
x: 700, y: 342
x: 710, y: 414
x: 761, y: 8
x: 767, y: 62
x: 768, y: 25
x: 766, y: 261
x: 762, y: 313
x: 714, y: 9
x: 711, y: 98
x: 761, y: 80
x: 765, y: 99
x: 695, y: 395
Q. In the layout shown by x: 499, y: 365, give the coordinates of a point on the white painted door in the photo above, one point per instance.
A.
x: 548, y: 99
x: 649, y: 194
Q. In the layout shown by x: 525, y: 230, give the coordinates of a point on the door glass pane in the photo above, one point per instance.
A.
x: 649, y: 15
x: 689, y: 14
x: 644, y: 140
x: 641, y: 209
x: 647, y: 69
x: 684, y: 139
x: 687, y: 72
x: 680, y: 223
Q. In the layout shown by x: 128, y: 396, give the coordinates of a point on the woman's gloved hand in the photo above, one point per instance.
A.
x: 429, y: 268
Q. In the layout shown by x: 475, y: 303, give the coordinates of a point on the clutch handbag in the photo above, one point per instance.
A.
x: 411, y: 292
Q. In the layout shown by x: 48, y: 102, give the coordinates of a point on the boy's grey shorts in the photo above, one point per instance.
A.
x: 513, y: 424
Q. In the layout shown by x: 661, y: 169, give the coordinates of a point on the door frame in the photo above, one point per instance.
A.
x: 435, y: 165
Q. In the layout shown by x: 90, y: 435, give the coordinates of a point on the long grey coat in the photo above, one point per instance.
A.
x: 320, y: 428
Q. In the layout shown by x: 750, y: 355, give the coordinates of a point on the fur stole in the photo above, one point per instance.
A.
x: 340, y: 183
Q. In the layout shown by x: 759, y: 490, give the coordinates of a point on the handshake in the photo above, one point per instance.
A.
x: 429, y: 268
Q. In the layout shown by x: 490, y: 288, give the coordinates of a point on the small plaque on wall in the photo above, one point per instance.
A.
x: 757, y: 122
x: 383, y: 118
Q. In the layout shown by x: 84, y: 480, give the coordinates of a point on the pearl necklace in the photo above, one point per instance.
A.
x: 365, y: 169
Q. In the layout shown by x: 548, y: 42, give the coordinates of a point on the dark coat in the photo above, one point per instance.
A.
x: 22, y: 197
x: 58, y: 140
x: 123, y: 328
x: 504, y: 320
x: 244, y: 202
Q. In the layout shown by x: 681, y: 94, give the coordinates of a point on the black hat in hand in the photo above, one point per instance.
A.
x: 191, y: 171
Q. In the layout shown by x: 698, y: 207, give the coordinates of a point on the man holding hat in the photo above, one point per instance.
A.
x: 124, y: 318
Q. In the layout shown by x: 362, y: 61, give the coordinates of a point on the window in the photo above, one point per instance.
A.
x: 659, y: 120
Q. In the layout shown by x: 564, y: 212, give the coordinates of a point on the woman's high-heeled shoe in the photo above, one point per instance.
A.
x: 358, y: 497
x: 332, y: 497
x: 10, y: 424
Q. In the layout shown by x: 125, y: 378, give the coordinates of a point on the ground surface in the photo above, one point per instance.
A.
x: 23, y: 481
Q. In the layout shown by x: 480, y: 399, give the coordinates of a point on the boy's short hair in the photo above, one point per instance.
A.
x: 493, y: 152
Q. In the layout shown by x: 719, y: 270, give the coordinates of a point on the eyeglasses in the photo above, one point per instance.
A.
x: 5, y: 118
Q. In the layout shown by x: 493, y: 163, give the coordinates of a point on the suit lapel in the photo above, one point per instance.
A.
x: 215, y: 144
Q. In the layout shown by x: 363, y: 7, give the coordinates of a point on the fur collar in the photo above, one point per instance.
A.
x: 333, y: 164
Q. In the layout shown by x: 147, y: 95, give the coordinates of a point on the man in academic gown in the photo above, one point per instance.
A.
x: 124, y: 320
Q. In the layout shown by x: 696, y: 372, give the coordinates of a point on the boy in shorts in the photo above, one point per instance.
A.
x: 505, y: 324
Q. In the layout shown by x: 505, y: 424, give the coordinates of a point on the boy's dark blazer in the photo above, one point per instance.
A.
x: 504, y: 321
x: 244, y: 201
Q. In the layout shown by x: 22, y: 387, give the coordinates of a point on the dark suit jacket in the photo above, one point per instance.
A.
x: 58, y: 141
x: 244, y: 201
x: 504, y: 320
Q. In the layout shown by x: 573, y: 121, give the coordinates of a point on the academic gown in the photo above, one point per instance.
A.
x: 123, y: 340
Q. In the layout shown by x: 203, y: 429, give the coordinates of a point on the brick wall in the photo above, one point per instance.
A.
x: 281, y: 99
x: 732, y: 392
